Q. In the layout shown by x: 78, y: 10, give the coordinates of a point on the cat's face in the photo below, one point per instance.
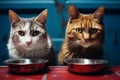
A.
x: 28, y: 33
x: 85, y: 29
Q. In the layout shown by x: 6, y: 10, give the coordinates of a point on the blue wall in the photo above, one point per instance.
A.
x: 57, y: 18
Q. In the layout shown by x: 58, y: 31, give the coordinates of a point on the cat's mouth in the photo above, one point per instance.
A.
x: 27, y: 47
x: 86, y: 44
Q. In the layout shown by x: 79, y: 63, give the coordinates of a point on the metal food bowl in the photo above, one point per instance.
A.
x: 26, y: 65
x: 81, y: 65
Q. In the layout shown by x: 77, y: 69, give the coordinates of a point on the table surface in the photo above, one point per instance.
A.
x: 62, y: 73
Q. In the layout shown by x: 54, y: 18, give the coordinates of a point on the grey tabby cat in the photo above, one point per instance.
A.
x: 29, y: 38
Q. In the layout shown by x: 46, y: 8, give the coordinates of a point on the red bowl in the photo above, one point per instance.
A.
x: 26, y: 65
x: 80, y: 65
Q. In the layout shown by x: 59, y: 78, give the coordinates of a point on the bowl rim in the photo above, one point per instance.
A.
x: 8, y: 61
x: 102, y: 61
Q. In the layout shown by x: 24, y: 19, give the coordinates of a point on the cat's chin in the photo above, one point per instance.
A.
x: 28, y: 48
x: 86, y: 46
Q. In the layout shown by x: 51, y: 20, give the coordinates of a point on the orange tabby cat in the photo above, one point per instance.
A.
x: 84, y: 35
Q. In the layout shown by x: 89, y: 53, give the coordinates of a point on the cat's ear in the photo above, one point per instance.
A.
x: 42, y: 17
x: 73, y: 12
x: 99, y: 13
x: 14, y: 18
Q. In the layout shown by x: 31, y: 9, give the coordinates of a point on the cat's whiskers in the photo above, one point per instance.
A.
x: 71, y: 43
x: 84, y: 35
x: 14, y: 47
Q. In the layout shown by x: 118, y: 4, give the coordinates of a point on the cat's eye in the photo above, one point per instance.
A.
x: 79, y: 30
x: 21, y: 33
x: 93, y: 31
x: 35, y: 33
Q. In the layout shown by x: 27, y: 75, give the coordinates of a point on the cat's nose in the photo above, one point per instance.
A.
x: 86, y: 39
x: 29, y: 42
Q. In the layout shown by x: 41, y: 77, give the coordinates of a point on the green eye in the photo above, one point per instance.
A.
x: 35, y: 33
x: 21, y: 33
x: 79, y: 30
x: 93, y: 31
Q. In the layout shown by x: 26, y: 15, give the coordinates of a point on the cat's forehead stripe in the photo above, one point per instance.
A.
x: 85, y: 23
x: 27, y: 25
x: 37, y: 26
x: 30, y: 25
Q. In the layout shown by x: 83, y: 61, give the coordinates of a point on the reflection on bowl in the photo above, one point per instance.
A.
x: 81, y: 65
x: 26, y: 65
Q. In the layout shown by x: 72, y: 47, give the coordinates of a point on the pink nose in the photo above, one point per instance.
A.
x: 86, y: 39
x: 28, y: 43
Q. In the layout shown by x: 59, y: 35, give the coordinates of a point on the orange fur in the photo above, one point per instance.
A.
x: 84, y: 35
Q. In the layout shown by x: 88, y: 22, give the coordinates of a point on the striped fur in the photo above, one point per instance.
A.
x: 84, y: 35
x: 29, y: 38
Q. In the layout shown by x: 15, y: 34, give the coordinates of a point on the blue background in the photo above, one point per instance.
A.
x: 56, y: 22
